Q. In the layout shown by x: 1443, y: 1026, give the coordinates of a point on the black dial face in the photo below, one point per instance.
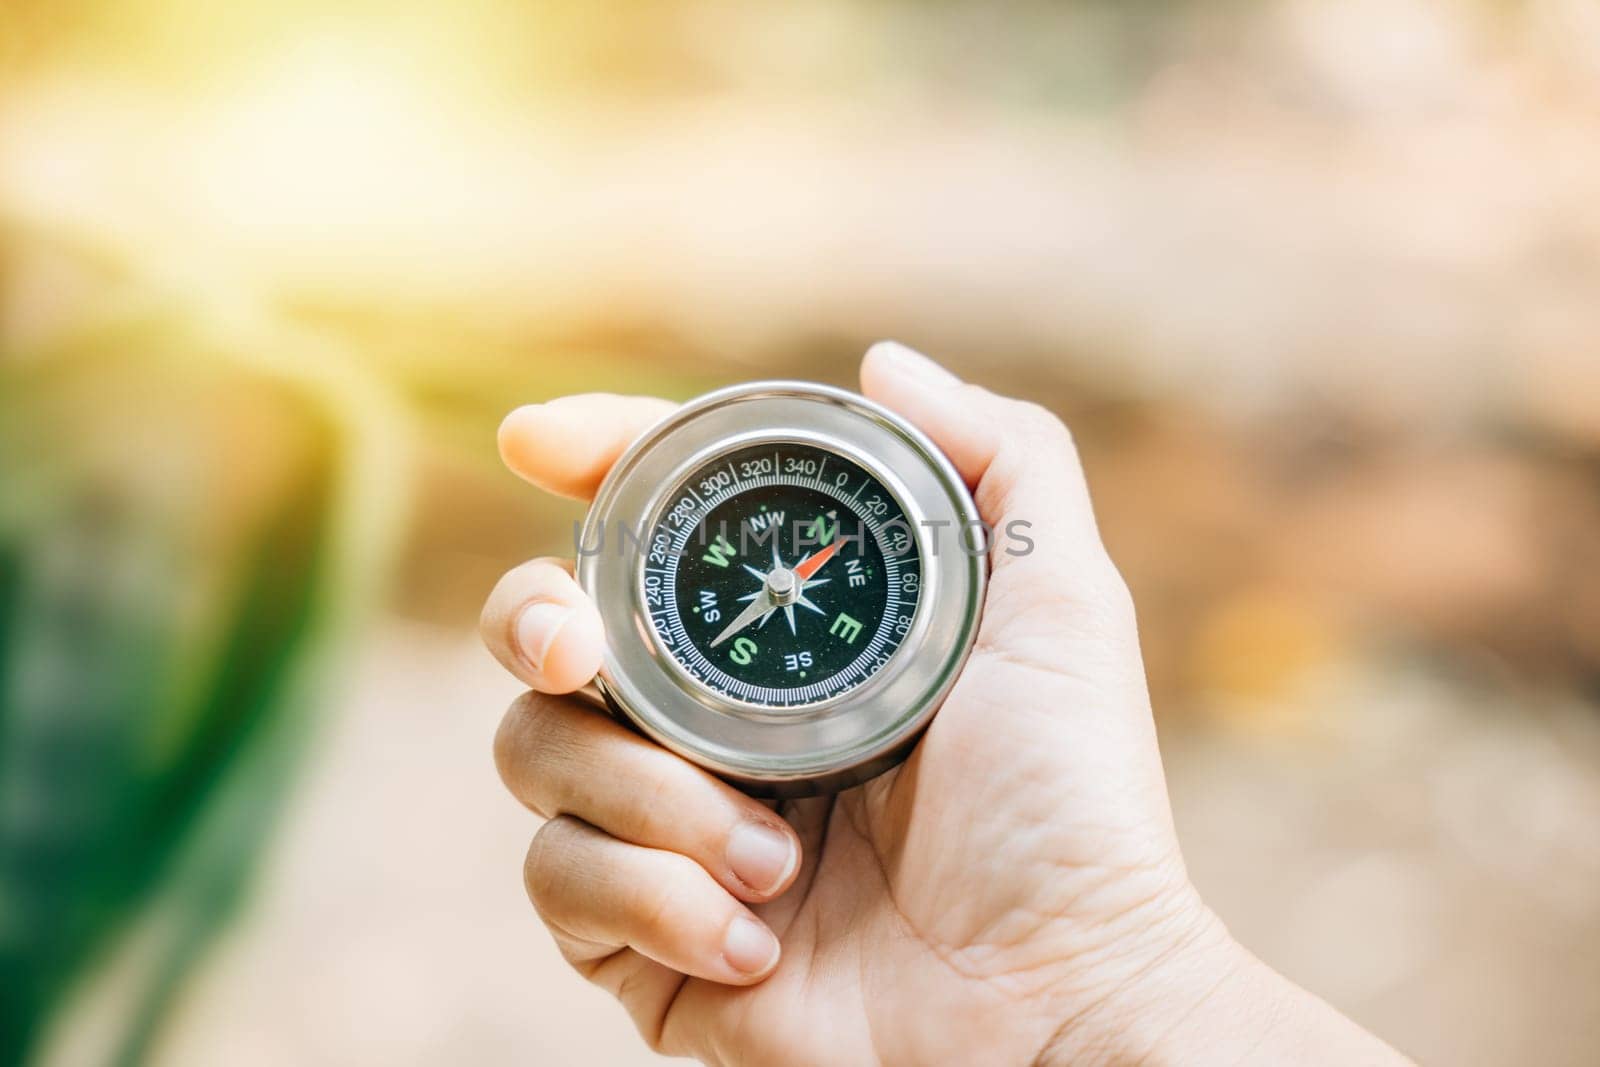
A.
x: 782, y: 574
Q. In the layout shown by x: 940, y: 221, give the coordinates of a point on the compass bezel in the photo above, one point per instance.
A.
x: 804, y: 749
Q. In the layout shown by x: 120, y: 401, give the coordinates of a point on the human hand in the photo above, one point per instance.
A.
x: 1012, y: 893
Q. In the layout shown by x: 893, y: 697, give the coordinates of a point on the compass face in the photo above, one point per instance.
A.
x: 785, y: 585
x: 781, y: 575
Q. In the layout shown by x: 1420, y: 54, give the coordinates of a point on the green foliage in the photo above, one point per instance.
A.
x: 187, y: 531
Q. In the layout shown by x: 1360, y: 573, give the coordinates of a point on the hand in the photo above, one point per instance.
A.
x: 1012, y: 893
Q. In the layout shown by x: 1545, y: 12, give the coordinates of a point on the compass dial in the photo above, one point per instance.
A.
x: 786, y: 582
x: 782, y: 574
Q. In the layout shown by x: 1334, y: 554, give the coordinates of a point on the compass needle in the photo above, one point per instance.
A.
x: 814, y: 562
x: 745, y: 618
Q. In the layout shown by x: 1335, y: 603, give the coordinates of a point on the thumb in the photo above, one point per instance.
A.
x: 1048, y: 564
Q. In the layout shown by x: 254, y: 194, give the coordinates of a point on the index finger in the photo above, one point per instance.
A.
x: 567, y: 445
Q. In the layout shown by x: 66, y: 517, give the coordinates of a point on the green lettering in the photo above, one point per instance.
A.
x: 845, y: 627
x: 720, y: 553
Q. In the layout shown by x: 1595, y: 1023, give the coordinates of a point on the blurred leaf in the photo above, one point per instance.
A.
x: 186, y: 532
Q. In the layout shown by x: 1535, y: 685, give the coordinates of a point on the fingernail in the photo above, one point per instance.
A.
x: 749, y: 947
x: 914, y: 363
x: 537, y: 629
x: 761, y: 857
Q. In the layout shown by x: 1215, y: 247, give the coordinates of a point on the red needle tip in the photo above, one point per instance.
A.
x: 813, y: 563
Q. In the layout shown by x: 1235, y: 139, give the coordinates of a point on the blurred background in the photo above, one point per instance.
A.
x: 1316, y: 283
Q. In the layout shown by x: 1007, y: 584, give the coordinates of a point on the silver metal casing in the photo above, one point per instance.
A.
x: 812, y: 748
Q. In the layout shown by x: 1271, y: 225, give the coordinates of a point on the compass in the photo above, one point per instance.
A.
x: 791, y: 578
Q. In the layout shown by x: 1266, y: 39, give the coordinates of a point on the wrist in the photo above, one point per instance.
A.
x: 1186, y: 972
x: 1205, y: 999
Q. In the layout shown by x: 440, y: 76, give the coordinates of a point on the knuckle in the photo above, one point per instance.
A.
x: 652, y: 806
x: 1114, y: 588
x: 1044, y: 426
x: 672, y: 803
x: 1100, y: 579
x: 517, y: 740
x: 654, y: 1036
x: 530, y: 743
x: 661, y: 905
x: 1117, y: 597
x: 489, y: 619
x: 1031, y: 420
x: 654, y: 911
x: 1076, y: 599
x: 507, y: 739
x: 546, y: 867
x: 1033, y: 438
x: 536, y: 870
x: 516, y: 587
x: 507, y: 592
x: 1108, y: 597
